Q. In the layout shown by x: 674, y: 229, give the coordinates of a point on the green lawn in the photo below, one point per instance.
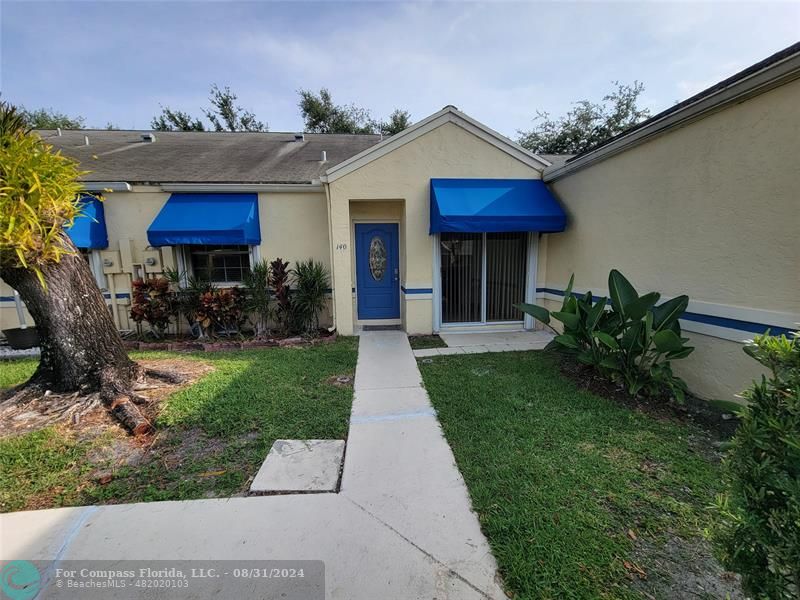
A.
x: 563, y: 480
x: 421, y: 342
x: 211, y: 437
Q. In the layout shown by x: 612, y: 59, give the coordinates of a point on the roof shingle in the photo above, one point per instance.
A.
x: 206, y: 157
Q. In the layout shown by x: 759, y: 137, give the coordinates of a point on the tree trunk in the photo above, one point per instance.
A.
x: 81, y: 347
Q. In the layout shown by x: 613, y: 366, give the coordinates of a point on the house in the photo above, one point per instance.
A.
x: 448, y: 224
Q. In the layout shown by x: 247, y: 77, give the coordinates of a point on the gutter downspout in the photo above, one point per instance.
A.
x: 23, y: 324
x: 327, y: 187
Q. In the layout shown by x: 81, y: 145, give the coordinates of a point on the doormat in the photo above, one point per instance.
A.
x: 381, y: 328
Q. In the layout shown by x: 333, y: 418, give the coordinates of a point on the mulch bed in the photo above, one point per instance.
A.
x: 193, y: 345
x: 38, y: 413
x: 720, y: 423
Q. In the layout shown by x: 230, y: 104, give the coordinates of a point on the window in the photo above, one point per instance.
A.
x: 482, y: 276
x: 219, y: 264
x: 92, y: 258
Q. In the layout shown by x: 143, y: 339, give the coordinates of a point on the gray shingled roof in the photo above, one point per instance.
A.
x: 206, y: 157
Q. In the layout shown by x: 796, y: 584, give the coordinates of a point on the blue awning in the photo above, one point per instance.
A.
x: 89, y: 229
x: 494, y: 205
x: 216, y: 219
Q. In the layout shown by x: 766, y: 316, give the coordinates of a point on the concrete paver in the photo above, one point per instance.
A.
x: 401, y: 526
x: 478, y: 343
x: 300, y: 466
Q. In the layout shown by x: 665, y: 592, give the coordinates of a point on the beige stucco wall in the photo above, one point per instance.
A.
x: 711, y: 210
x: 404, y: 175
x: 293, y: 226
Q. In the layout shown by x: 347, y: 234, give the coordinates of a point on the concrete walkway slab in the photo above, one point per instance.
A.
x: 300, y: 466
x: 401, y: 526
x: 477, y: 343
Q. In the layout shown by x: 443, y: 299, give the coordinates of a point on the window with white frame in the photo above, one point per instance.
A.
x: 92, y: 258
x: 221, y: 265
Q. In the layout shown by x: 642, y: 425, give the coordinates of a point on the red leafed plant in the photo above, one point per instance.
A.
x: 151, y: 303
x: 222, y: 310
x: 279, y: 282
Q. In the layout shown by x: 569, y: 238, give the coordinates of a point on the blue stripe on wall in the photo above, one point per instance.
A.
x: 416, y: 290
x: 728, y: 323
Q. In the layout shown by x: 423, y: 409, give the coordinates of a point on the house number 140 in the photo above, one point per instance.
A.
x: 341, y: 246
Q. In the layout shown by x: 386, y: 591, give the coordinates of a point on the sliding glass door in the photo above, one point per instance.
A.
x: 482, y: 276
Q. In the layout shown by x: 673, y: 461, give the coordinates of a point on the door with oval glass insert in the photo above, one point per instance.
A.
x: 377, y: 271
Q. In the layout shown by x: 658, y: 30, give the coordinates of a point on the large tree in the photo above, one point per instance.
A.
x: 47, y: 118
x: 398, y: 121
x: 223, y: 114
x: 81, y: 349
x: 587, y: 124
x: 322, y: 115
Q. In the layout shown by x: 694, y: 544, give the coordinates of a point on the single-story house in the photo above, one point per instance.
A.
x: 448, y: 224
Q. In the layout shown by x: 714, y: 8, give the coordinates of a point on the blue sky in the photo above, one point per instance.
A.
x: 497, y: 61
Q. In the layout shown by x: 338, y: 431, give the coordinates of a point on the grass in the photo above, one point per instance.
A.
x: 211, y: 437
x: 563, y: 480
x: 14, y: 372
x: 421, y: 342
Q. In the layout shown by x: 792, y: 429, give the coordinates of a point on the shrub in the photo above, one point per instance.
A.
x: 760, y: 531
x: 185, y: 299
x: 280, y: 285
x: 310, y: 295
x: 632, y: 343
x: 222, y: 311
x: 256, y: 284
x: 151, y: 303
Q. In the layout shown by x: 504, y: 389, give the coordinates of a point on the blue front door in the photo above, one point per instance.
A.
x: 377, y: 271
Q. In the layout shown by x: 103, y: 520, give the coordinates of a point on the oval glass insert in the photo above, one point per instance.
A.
x: 377, y: 258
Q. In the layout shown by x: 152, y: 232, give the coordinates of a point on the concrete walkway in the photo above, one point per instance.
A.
x: 477, y: 343
x: 401, y: 526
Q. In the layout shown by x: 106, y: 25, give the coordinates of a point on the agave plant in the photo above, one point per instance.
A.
x: 629, y: 338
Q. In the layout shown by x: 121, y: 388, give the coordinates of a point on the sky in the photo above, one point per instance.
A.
x: 500, y: 62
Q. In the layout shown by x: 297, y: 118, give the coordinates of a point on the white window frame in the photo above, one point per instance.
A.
x: 185, y: 265
x: 530, y: 287
x: 96, y: 267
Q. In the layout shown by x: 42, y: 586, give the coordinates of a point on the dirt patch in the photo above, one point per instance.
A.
x: 48, y: 410
x: 719, y: 424
x: 678, y: 568
x: 343, y: 381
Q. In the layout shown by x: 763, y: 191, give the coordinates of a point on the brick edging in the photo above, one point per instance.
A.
x: 218, y: 346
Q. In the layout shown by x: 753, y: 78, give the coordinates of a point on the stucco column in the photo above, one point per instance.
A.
x: 341, y: 268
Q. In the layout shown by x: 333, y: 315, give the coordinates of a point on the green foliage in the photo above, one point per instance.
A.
x: 185, y: 297
x: 38, y: 197
x: 310, y: 296
x: 226, y: 116
x: 221, y: 311
x: 150, y: 302
x: 176, y: 120
x: 256, y: 284
x: 47, y: 118
x: 223, y: 114
x: 633, y: 343
x: 398, y: 121
x: 760, y: 534
x: 587, y: 124
x: 321, y: 115
x: 280, y: 285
